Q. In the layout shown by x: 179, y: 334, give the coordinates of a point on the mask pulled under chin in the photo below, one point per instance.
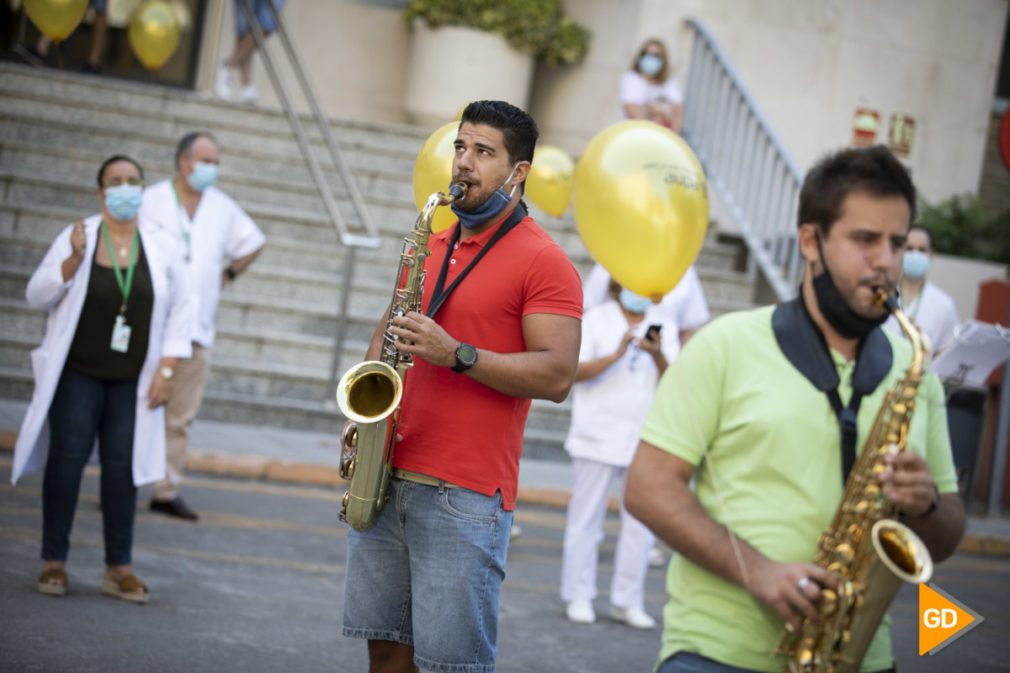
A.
x: 496, y: 203
x: 842, y: 319
x: 470, y: 219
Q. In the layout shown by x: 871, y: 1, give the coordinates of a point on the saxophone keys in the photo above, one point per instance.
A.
x: 829, y: 602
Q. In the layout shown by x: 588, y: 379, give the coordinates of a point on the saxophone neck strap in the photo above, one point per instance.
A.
x: 441, y: 293
x: 804, y: 346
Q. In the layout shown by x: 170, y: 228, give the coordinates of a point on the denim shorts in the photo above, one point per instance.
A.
x: 429, y: 574
x: 263, y: 16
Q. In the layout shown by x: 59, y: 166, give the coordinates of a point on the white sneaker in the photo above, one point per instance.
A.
x: 248, y: 94
x: 580, y: 612
x: 222, y: 81
x: 636, y: 618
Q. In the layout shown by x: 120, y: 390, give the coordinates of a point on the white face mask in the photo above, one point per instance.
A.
x: 650, y: 64
x: 915, y: 264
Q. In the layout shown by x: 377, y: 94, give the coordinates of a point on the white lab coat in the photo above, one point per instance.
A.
x: 169, y: 337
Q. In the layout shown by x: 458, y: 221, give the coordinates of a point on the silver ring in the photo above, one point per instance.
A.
x: 803, y: 583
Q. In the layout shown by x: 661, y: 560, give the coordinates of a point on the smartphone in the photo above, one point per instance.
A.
x: 653, y: 331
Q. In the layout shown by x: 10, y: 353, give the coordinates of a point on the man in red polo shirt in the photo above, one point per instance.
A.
x: 500, y: 325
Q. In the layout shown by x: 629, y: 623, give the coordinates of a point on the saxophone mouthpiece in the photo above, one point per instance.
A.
x: 457, y: 190
x: 884, y: 298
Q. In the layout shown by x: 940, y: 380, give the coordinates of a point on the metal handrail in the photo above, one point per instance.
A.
x: 745, y: 162
x: 351, y: 240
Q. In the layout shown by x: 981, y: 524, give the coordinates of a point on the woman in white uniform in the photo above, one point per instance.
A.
x: 119, y: 319
x: 620, y: 362
x: 649, y: 90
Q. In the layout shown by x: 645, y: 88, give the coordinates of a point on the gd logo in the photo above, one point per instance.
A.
x: 942, y: 619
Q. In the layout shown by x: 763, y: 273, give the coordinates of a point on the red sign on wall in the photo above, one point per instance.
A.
x: 865, y: 125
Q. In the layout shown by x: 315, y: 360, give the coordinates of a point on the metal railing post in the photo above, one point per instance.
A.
x: 746, y: 164
x: 351, y: 241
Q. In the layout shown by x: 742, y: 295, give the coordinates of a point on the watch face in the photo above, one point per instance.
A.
x: 467, y: 354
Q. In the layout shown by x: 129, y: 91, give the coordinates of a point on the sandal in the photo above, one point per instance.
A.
x: 126, y: 588
x: 50, y: 588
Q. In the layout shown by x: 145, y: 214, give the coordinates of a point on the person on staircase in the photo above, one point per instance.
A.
x: 115, y: 287
x: 210, y: 227
x: 245, y: 48
x: 648, y: 90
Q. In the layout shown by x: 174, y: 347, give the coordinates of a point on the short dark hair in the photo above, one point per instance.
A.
x: 925, y: 230
x: 518, y: 128
x: 114, y: 159
x: 185, y: 146
x: 870, y: 170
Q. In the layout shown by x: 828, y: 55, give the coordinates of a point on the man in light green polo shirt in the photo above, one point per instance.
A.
x: 766, y: 410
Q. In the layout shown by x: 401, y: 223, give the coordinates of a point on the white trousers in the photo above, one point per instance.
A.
x: 584, y: 531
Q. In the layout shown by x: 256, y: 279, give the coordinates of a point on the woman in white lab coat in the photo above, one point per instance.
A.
x: 103, y: 371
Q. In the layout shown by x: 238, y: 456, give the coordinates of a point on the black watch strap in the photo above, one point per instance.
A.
x: 466, y: 357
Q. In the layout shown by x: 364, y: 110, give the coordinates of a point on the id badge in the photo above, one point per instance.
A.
x: 120, y: 336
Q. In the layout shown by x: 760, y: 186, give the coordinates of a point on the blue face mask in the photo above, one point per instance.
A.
x: 632, y: 302
x: 471, y: 219
x: 915, y: 264
x: 203, y: 176
x: 123, y: 201
x: 650, y: 65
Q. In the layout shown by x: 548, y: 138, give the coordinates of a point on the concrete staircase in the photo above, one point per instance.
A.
x: 272, y: 358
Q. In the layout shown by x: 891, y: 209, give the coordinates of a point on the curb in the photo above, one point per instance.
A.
x: 223, y: 464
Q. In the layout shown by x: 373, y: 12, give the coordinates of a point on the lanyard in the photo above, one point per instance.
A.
x: 124, y: 284
x: 439, y: 295
x: 178, y: 219
x: 915, y: 304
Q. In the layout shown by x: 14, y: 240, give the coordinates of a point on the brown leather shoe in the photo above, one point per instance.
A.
x: 174, y: 507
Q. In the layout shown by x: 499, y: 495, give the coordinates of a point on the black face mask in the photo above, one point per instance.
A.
x: 842, y: 319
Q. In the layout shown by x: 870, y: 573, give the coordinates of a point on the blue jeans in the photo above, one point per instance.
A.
x: 690, y: 662
x: 82, y: 409
x: 429, y: 574
x: 263, y: 16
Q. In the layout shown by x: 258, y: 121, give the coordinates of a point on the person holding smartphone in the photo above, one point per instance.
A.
x: 622, y: 356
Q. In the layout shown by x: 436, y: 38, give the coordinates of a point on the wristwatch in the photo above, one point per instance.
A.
x: 167, y: 373
x: 466, y: 357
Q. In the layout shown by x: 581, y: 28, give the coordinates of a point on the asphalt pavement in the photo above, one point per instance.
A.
x: 257, y: 584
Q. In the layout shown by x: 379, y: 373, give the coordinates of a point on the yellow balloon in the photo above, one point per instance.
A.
x: 154, y: 33
x: 641, y: 205
x: 549, y: 184
x: 433, y: 173
x: 56, y: 18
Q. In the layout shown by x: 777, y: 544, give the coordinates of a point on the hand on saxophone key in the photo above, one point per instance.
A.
x: 792, y: 589
x: 423, y: 337
x: 908, y: 483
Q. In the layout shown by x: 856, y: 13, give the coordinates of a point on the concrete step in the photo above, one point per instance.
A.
x: 172, y: 112
x: 271, y: 364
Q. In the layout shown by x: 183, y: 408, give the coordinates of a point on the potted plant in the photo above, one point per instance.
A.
x: 464, y: 50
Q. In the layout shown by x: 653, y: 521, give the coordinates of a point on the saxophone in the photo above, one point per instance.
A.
x: 369, y: 393
x: 865, y: 546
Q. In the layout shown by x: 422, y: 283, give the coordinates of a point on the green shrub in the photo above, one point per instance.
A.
x: 959, y: 227
x: 536, y: 27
